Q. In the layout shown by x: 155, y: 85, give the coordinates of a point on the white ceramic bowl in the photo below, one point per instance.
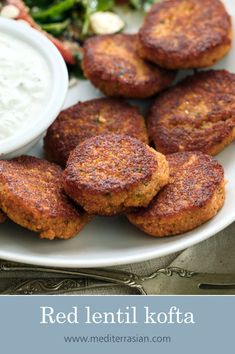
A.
x: 23, y: 141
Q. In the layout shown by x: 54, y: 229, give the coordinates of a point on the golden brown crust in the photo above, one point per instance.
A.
x: 196, y: 114
x: 111, y: 63
x: 31, y: 194
x: 108, y: 174
x: 194, y: 195
x: 2, y: 217
x: 87, y: 119
x: 180, y: 34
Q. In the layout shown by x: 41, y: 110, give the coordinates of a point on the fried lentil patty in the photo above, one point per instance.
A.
x: 108, y: 174
x: 194, y: 195
x: 87, y: 119
x: 31, y: 194
x: 197, y: 114
x: 111, y: 63
x: 180, y: 34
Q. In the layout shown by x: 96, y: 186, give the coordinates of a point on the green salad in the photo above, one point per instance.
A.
x: 73, y: 18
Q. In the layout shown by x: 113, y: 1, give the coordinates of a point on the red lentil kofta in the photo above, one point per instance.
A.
x: 112, y: 64
x: 111, y: 173
x: 31, y: 195
x: 194, y: 195
x: 197, y: 114
x: 182, y: 34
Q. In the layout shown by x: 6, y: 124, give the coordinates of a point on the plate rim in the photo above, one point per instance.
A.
x: 147, y: 255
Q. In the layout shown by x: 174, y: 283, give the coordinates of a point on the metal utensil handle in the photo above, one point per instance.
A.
x: 117, y: 277
x: 51, y: 286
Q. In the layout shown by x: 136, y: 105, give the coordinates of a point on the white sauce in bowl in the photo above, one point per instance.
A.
x: 24, y: 84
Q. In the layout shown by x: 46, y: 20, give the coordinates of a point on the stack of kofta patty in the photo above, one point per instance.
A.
x: 99, y: 160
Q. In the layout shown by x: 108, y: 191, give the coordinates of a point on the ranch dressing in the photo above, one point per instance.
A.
x: 24, y: 84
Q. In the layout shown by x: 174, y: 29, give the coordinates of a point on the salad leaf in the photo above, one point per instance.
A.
x: 104, y: 5
x: 56, y: 28
x: 57, y: 10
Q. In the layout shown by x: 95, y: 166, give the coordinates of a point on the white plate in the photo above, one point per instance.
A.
x: 112, y: 241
